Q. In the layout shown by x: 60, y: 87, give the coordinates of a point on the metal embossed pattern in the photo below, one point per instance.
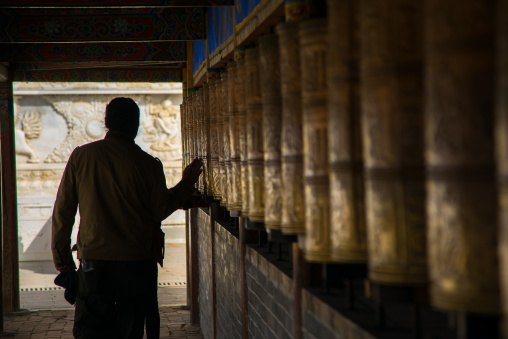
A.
x: 462, y: 196
x: 347, y: 207
x: 272, y: 125
x: 313, y: 51
x: 293, y: 209
x: 392, y: 127
x: 240, y: 83
x: 254, y: 137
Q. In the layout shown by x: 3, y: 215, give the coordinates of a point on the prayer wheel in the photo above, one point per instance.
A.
x: 502, y: 155
x: 392, y: 127
x: 459, y: 138
x: 205, y: 137
x: 254, y: 137
x: 313, y: 52
x: 347, y: 208
x: 234, y: 143
x: 182, y: 132
x: 242, y: 131
x: 214, y: 146
x: 293, y: 208
x: 269, y: 67
x: 226, y: 176
x: 220, y: 132
x: 190, y: 125
x: 199, y: 132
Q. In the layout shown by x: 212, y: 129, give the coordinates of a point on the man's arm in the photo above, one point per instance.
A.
x: 64, y: 213
x: 172, y: 199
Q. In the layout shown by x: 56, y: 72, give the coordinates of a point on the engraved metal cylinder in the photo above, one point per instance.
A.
x: 182, y: 132
x: 199, y: 132
x: 293, y: 208
x: 313, y: 51
x: 205, y: 137
x: 462, y: 198
x: 242, y: 131
x: 226, y: 170
x: 269, y: 67
x: 254, y: 137
x: 392, y: 128
x: 502, y: 155
x: 220, y: 140
x: 214, y: 147
x: 234, y: 135
x: 190, y: 125
x: 347, y: 207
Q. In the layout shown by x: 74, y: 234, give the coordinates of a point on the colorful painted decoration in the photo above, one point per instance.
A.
x: 173, y: 51
x: 102, y: 25
x: 115, y: 75
x: 116, y: 3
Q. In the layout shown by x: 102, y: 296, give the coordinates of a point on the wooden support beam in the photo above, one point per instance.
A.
x: 10, y: 262
x: 167, y: 51
x: 101, y: 25
x: 114, y: 3
x: 4, y: 76
x: 214, y: 216
x: 243, y: 279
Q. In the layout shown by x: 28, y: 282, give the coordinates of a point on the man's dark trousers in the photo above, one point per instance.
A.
x: 112, y: 298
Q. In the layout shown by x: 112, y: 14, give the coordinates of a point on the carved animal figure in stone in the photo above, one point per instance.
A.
x: 31, y: 128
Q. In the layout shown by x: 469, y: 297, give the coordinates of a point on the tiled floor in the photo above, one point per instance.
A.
x: 50, y: 316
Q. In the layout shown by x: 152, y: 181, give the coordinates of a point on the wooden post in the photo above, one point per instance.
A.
x: 243, y: 279
x: 194, y: 289
x: 297, y: 290
x: 214, y: 216
x: 3, y: 77
x: 10, y: 261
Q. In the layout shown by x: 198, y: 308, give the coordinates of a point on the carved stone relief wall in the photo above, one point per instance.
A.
x: 53, y: 119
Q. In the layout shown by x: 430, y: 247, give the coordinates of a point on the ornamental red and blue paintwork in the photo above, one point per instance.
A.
x: 172, y: 51
x: 118, y: 75
x: 92, y: 64
x: 101, y: 25
x: 116, y: 3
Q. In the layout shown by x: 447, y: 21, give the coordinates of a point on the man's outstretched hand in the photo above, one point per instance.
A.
x: 191, y: 173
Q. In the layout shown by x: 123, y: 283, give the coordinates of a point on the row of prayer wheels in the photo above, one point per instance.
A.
x: 370, y: 134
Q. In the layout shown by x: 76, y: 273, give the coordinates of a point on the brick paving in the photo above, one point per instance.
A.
x: 175, y: 323
x: 47, y: 315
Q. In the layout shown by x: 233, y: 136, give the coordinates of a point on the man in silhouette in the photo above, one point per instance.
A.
x: 122, y: 197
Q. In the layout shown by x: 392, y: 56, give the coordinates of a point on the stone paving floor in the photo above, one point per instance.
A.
x: 47, y: 314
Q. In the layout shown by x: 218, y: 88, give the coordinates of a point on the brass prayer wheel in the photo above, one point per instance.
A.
x: 220, y: 133
x: 199, y: 132
x: 392, y: 119
x: 313, y: 51
x: 254, y: 137
x: 269, y: 67
x: 234, y: 137
x: 502, y: 156
x: 462, y: 195
x: 242, y: 131
x: 190, y: 125
x: 205, y: 137
x: 347, y: 208
x: 293, y: 208
x: 226, y: 175
x: 214, y: 146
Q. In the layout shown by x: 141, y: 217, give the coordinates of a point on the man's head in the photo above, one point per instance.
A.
x: 122, y: 115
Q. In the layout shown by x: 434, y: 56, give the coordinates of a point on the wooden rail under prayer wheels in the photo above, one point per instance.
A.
x: 462, y: 198
x: 313, y: 49
x: 254, y: 137
x: 242, y: 130
x: 347, y: 206
x: 293, y: 209
x: 392, y: 118
x: 269, y: 67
